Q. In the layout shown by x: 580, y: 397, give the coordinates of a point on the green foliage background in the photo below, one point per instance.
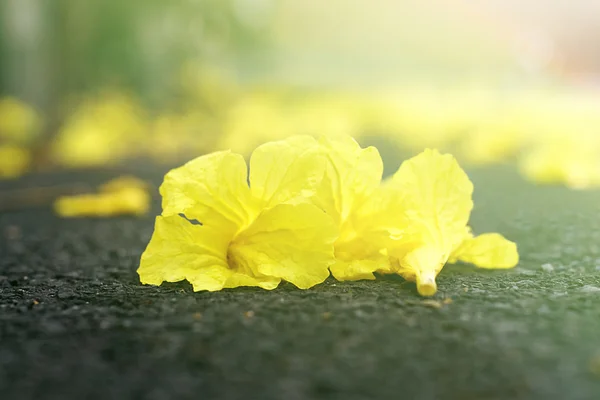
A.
x: 74, y: 47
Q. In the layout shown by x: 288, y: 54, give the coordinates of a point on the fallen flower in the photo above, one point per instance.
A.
x: 351, y: 178
x: 431, y: 201
x: 252, y: 230
x: 121, y: 196
x: 14, y: 161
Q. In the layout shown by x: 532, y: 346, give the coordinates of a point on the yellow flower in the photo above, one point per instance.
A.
x: 346, y: 193
x: 14, y: 161
x: 120, y: 196
x: 239, y: 234
x: 432, y: 198
x: 574, y: 163
x: 18, y: 121
x: 101, y: 131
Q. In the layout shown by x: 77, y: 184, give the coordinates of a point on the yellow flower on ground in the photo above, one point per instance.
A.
x: 14, y: 161
x: 352, y: 177
x: 121, y: 196
x: 222, y: 228
x: 432, y: 196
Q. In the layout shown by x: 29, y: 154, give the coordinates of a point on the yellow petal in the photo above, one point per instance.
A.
x: 209, y: 185
x: 14, y: 161
x: 289, y: 241
x: 180, y: 250
x: 356, y: 270
x: 352, y: 175
x: 120, y: 196
x: 357, y: 259
x: 432, y: 196
x: 490, y: 250
x: 435, y: 200
x: 285, y: 170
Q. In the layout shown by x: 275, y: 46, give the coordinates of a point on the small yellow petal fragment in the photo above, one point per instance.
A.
x: 122, y: 196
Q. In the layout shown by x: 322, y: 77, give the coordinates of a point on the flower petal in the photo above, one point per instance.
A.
x: 435, y: 200
x: 289, y: 241
x: 212, y: 184
x: 490, y: 250
x: 285, y: 170
x: 356, y: 270
x: 179, y: 250
x: 352, y: 175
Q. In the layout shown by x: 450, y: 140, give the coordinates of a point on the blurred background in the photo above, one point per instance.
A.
x: 105, y: 82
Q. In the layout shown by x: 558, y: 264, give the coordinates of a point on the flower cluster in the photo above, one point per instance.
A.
x: 308, y: 208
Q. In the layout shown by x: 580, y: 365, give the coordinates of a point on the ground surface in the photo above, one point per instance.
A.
x: 76, y: 324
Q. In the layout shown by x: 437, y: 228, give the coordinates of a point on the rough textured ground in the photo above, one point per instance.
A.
x: 76, y: 324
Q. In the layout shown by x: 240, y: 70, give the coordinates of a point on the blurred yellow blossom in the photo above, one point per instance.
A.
x: 101, y: 131
x: 125, y: 195
x: 574, y: 162
x: 255, y: 119
x: 19, y: 123
x: 173, y: 136
x: 14, y: 161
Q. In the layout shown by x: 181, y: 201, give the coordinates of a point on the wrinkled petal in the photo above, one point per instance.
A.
x: 379, y: 221
x: 292, y: 242
x: 490, y: 250
x: 436, y: 198
x: 208, y: 185
x: 432, y: 196
x: 357, y: 258
x: 286, y: 170
x: 180, y: 250
x: 352, y: 175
